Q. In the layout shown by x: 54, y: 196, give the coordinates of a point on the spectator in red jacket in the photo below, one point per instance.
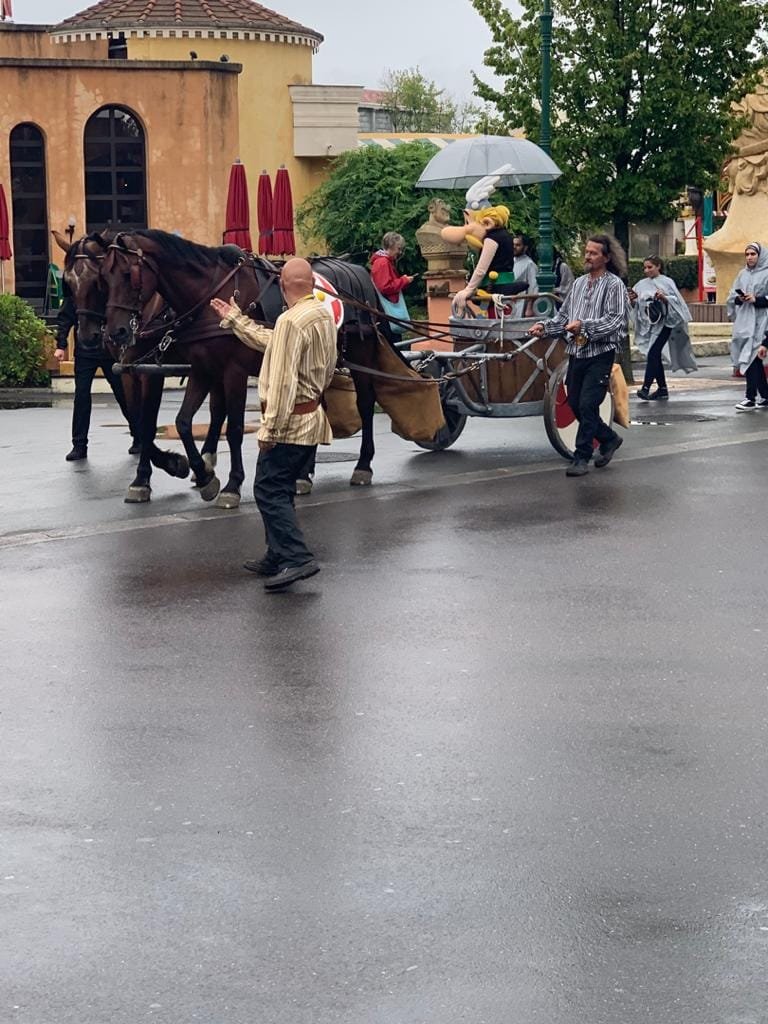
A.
x: 385, y: 277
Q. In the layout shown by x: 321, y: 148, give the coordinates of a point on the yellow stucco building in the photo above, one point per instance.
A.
x: 133, y: 111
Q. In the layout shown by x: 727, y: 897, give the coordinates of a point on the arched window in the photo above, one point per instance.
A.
x: 115, y: 182
x: 30, y: 212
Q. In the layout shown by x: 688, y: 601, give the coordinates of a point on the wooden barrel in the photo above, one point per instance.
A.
x: 505, y: 380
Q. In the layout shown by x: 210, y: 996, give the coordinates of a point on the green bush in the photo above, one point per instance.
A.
x: 684, y: 271
x: 25, y: 345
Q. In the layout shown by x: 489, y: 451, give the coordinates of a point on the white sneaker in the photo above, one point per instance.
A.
x: 748, y: 405
x: 761, y: 403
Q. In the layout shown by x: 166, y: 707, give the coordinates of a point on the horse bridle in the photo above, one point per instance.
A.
x: 185, y: 318
x: 91, y: 314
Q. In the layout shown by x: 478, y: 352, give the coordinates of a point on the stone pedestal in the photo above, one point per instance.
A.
x: 445, y: 269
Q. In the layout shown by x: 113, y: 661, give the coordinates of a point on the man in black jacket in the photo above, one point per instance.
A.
x: 88, y: 359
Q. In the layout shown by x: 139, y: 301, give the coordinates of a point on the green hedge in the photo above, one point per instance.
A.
x: 25, y: 345
x: 684, y: 271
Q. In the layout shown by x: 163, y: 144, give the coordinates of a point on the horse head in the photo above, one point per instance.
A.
x: 82, y: 266
x: 131, y: 279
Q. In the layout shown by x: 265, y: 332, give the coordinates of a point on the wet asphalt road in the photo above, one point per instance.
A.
x: 502, y: 762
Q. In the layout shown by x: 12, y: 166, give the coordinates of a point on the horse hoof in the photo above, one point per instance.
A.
x: 210, y: 458
x: 361, y: 478
x: 209, y: 491
x: 137, y: 495
x: 181, y: 467
x: 303, y: 486
x: 228, y: 499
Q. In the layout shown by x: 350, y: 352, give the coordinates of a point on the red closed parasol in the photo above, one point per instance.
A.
x: 238, y: 223
x: 283, y: 243
x: 5, y: 248
x: 264, y: 213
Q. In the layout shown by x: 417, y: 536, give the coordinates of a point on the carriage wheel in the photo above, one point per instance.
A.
x: 559, y: 421
x: 454, y: 424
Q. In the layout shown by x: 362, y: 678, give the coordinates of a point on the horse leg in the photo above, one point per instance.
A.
x: 205, y: 478
x: 140, y: 490
x: 149, y: 393
x: 307, y: 472
x: 218, y: 407
x: 362, y: 475
x: 235, y: 391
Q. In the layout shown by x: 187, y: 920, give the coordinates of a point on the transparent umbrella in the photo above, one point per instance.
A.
x: 461, y: 163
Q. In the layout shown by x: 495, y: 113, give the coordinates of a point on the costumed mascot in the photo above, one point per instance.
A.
x: 485, y: 230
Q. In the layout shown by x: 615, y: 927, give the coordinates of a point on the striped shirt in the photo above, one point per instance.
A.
x: 602, y: 305
x: 299, y: 360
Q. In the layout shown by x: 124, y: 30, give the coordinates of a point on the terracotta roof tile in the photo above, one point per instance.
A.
x: 220, y: 14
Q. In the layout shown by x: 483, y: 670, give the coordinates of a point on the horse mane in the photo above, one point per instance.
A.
x: 184, y: 251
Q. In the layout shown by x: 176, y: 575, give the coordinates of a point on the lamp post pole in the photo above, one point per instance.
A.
x: 546, y: 278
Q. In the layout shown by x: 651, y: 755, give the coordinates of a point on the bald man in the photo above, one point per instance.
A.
x: 299, y: 360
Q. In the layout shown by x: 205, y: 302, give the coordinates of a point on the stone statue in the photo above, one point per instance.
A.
x: 439, y: 254
x: 747, y: 173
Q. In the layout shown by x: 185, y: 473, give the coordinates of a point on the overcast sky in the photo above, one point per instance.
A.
x: 363, y: 38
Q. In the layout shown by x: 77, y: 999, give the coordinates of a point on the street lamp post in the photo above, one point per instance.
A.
x: 546, y: 278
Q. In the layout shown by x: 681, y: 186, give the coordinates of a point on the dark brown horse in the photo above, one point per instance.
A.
x: 188, y: 276
x: 82, y: 274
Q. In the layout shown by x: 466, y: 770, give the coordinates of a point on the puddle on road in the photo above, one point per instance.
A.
x: 673, y: 421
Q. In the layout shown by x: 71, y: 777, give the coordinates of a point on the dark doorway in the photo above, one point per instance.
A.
x: 115, y: 179
x: 30, y: 213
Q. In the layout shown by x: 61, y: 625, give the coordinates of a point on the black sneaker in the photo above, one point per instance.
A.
x: 293, y: 574
x: 660, y: 394
x: 135, y: 448
x: 747, y: 405
x: 262, y: 566
x: 607, y: 450
x: 78, y: 453
x: 644, y: 393
x: 579, y: 467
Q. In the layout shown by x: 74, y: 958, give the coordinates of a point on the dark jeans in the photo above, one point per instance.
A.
x: 755, y: 378
x: 654, y: 368
x: 87, y: 362
x: 274, y: 487
x: 587, y: 383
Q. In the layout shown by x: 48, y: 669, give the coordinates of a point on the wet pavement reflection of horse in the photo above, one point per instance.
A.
x: 187, y: 275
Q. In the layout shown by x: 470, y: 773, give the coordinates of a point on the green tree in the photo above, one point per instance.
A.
x: 641, y: 96
x: 415, y: 104
x: 372, y: 190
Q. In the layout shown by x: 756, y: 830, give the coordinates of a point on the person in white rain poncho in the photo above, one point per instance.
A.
x: 747, y: 307
x: 661, y: 320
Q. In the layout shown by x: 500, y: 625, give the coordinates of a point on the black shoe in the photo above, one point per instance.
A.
x: 644, y: 393
x: 607, y: 450
x: 262, y: 566
x: 78, y: 453
x: 579, y: 467
x: 291, y: 575
x: 660, y: 394
x: 135, y: 448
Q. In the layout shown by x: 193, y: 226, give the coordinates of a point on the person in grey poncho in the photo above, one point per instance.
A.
x: 747, y: 307
x: 661, y: 320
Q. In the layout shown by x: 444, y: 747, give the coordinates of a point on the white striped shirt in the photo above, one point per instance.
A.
x: 602, y: 305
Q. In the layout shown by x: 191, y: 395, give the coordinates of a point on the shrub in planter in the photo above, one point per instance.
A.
x: 25, y: 345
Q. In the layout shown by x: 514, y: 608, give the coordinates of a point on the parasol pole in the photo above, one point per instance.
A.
x: 545, y: 277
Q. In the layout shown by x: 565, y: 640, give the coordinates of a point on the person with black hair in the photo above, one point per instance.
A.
x: 594, y: 319
x: 88, y: 359
x: 661, y: 318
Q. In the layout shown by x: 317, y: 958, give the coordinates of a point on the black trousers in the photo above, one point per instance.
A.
x: 87, y: 362
x: 755, y: 378
x: 587, y: 382
x: 654, y: 368
x: 274, y: 488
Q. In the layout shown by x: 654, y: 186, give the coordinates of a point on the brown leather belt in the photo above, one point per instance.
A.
x: 300, y: 409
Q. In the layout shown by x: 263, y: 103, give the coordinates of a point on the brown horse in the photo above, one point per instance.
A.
x: 82, y: 275
x: 188, y: 276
